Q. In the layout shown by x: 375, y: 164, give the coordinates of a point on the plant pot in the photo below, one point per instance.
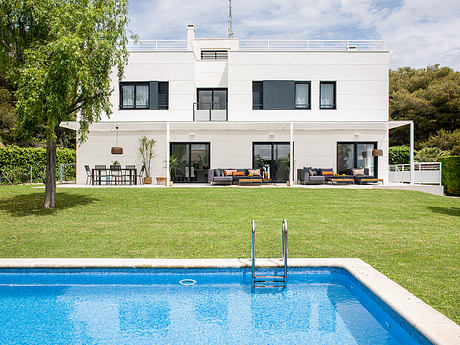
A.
x: 147, y: 180
x: 288, y: 183
x: 170, y: 183
x: 266, y: 175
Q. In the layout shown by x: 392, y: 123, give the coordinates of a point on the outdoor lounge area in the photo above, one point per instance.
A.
x: 309, y: 175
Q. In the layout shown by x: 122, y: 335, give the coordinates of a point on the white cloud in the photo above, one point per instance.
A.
x: 418, y: 33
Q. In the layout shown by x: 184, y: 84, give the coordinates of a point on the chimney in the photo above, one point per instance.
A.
x: 190, y: 36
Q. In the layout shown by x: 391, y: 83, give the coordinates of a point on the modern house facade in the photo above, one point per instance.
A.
x: 230, y: 103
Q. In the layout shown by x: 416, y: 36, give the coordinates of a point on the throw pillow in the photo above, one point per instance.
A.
x: 229, y: 172
x: 310, y: 172
x: 358, y: 172
x: 327, y: 173
x: 238, y: 173
x: 255, y: 172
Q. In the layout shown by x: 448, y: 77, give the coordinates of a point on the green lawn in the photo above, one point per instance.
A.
x: 411, y: 237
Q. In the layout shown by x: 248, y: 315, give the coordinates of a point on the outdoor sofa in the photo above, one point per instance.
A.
x: 231, y: 176
x: 309, y: 175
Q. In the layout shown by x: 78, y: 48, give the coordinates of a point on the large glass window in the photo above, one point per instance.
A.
x: 215, y: 99
x: 273, y: 159
x: 193, y: 162
x: 327, y: 95
x: 356, y: 155
x: 142, y: 96
x: 302, y: 95
x: 127, y: 92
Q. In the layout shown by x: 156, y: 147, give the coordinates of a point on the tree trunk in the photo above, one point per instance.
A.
x: 50, y: 182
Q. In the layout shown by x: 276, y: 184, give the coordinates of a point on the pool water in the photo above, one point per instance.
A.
x: 151, y: 306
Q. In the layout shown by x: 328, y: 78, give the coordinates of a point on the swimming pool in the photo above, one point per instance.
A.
x: 194, y: 306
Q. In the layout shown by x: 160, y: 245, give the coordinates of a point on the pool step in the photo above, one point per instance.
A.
x: 269, y: 281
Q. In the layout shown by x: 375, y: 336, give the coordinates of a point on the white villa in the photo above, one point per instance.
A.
x: 230, y: 103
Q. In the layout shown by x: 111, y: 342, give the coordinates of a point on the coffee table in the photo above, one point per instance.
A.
x: 342, y: 180
x: 250, y: 182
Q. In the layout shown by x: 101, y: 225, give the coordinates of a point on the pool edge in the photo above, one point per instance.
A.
x: 435, y: 326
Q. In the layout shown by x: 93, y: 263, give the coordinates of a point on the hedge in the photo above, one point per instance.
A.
x: 399, y: 154
x: 16, y: 163
x: 450, y: 174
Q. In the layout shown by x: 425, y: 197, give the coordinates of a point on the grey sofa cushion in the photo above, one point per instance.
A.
x: 317, y: 178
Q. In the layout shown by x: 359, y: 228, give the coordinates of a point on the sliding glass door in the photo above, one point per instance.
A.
x: 193, y: 162
x: 358, y: 155
x: 272, y: 158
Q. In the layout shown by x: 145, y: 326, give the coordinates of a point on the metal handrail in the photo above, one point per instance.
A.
x: 312, y: 45
x: 284, y: 235
x: 253, y: 257
x: 210, y: 107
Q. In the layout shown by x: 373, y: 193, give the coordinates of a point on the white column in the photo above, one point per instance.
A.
x: 167, y: 154
x: 412, y: 167
x: 291, y: 153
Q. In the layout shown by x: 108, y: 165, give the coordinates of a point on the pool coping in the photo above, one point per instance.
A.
x: 435, y: 326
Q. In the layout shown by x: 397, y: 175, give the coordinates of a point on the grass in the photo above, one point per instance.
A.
x: 411, y: 237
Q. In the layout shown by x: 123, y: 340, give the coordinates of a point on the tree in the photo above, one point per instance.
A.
x: 446, y: 141
x: 428, y: 96
x: 57, y: 56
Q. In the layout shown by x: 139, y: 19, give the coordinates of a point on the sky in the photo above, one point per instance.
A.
x: 417, y: 33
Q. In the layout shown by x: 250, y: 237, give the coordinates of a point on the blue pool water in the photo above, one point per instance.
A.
x: 150, y: 306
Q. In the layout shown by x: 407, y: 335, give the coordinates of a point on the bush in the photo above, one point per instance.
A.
x: 399, y: 155
x: 429, y: 154
x: 446, y: 141
x: 450, y: 174
x: 15, y: 163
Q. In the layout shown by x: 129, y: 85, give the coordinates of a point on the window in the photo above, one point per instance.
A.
x: 134, y: 96
x: 151, y: 95
x: 257, y: 95
x: 327, y: 95
x: 358, y: 155
x: 214, y: 55
x: 163, y: 95
x: 281, y: 95
x: 302, y: 95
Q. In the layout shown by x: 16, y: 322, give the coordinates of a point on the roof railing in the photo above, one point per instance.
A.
x: 268, y: 45
x: 312, y: 45
x: 157, y: 45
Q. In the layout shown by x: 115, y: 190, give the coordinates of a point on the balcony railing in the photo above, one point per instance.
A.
x: 206, y: 112
x: 214, y: 55
x: 424, y: 173
x: 312, y: 45
x: 157, y: 45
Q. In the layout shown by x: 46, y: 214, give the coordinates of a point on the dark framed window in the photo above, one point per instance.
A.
x: 356, y: 155
x: 193, y: 161
x: 214, y: 55
x: 212, y: 99
x: 302, y: 95
x: 163, y: 95
x: 257, y: 95
x: 134, y: 95
x: 327, y: 95
x: 281, y: 95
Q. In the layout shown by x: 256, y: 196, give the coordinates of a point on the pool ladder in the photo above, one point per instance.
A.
x: 270, y: 281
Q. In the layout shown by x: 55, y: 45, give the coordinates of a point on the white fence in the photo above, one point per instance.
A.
x: 157, y: 45
x: 424, y: 173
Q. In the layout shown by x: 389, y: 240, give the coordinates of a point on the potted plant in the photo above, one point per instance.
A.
x: 146, y: 149
x: 116, y: 163
x: 174, y: 162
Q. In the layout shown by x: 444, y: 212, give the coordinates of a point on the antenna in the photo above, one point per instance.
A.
x: 230, y: 30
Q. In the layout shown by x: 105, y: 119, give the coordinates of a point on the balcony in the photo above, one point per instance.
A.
x: 210, y: 112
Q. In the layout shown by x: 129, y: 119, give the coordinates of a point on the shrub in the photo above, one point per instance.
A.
x: 15, y: 163
x: 429, y: 154
x: 399, y: 154
x: 446, y: 141
x: 450, y: 174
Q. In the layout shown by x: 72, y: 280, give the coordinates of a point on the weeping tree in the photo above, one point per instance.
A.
x: 58, y: 56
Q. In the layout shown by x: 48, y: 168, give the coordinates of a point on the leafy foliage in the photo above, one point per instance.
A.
x: 428, y: 96
x: 16, y: 162
x: 146, y: 149
x: 446, y: 141
x: 450, y: 174
x: 399, y: 154
x: 58, y: 57
x: 429, y: 154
